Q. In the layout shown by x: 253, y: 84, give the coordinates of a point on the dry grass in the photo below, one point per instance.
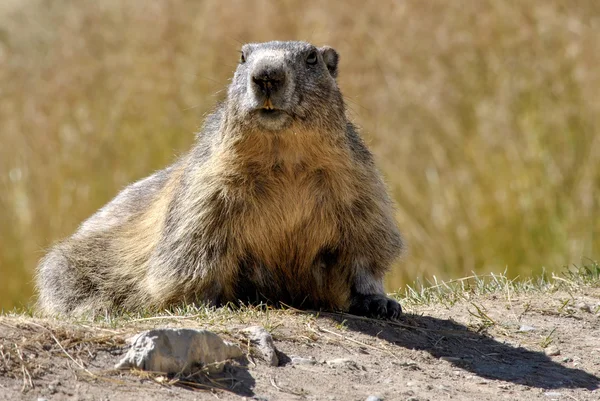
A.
x: 484, y: 116
x: 27, y: 347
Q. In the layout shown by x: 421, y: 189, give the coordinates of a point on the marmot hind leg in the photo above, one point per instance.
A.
x: 64, y: 289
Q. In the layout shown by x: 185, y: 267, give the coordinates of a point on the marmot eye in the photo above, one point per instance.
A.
x: 312, y: 58
x: 242, y: 58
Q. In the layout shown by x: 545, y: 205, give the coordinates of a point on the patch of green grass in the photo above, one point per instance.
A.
x: 464, y: 289
x: 485, y: 320
x: 547, y: 339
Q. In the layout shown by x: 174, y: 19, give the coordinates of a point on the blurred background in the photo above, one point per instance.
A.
x: 484, y: 116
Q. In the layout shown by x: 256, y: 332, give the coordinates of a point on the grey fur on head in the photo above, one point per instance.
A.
x: 278, y: 201
x: 299, y: 77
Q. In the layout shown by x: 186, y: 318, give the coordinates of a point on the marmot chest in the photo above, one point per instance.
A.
x: 290, y: 216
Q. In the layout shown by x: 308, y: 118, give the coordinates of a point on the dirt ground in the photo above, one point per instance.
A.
x: 542, y: 346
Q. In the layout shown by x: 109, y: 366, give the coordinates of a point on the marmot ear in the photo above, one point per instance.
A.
x: 331, y: 58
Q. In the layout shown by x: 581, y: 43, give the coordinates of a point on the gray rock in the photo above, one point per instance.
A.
x: 553, y: 395
x: 178, y: 351
x: 584, y: 307
x: 342, y: 363
x: 552, y: 350
x: 410, y: 365
x: 451, y: 359
x: 525, y: 328
x: 443, y: 387
x: 264, y: 343
x: 298, y: 360
x: 374, y: 398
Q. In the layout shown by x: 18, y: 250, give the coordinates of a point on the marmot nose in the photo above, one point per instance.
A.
x: 269, y: 80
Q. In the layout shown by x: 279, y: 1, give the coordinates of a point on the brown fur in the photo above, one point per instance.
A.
x: 297, y: 215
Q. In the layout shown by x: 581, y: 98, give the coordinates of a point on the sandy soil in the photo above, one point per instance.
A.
x: 535, y: 346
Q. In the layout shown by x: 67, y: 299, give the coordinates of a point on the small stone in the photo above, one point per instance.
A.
x: 178, y: 350
x: 411, y: 365
x: 42, y: 399
x: 298, y: 360
x: 525, y: 328
x: 553, y: 394
x: 567, y: 359
x: 584, y: 307
x: 264, y: 342
x: 451, y: 359
x: 342, y: 362
x: 412, y: 399
x: 52, y: 388
x: 374, y: 398
x: 552, y: 350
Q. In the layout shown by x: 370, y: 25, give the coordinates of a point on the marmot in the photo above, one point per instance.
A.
x: 278, y: 201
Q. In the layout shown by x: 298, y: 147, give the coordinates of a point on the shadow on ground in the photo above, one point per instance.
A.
x: 235, y: 378
x: 477, y: 353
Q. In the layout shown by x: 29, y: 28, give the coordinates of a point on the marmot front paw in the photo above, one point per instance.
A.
x: 375, y: 305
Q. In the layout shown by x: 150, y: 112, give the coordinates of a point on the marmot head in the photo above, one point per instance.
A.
x: 277, y: 84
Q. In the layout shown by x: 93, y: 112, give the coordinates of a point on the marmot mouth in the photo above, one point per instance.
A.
x: 271, y: 113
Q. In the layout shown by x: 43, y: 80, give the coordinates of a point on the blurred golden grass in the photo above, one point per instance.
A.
x: 484, y: 116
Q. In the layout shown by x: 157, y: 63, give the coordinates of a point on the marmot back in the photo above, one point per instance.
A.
x: 278, y: 201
